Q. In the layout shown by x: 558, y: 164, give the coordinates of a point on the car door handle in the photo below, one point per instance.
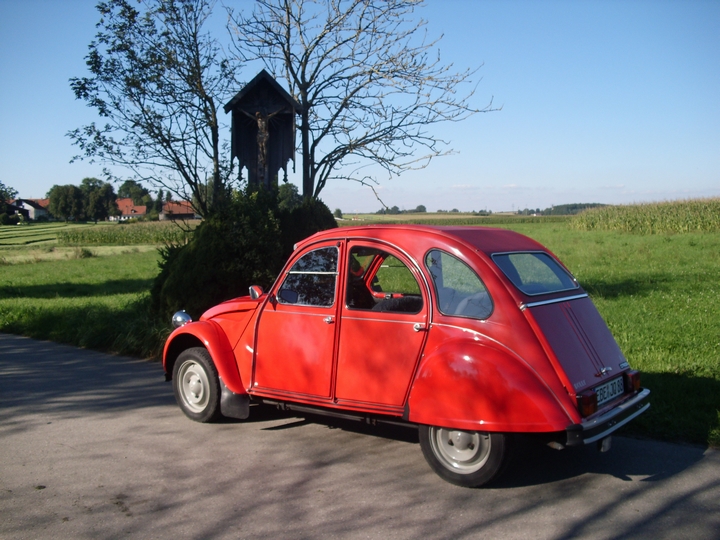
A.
x: 329, y: 320
x: 418, y: 326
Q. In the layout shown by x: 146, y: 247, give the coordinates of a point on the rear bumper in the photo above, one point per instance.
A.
x: 602, y: 426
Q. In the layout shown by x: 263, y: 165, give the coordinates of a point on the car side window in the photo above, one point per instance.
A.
x: 459, y: 290
x: 311, y: 280
x: 379, y: 281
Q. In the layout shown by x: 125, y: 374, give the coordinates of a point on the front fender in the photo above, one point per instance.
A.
x: 210, y: 335
x: 478, y: 387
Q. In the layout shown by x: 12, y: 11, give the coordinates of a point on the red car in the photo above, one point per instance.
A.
x: 471, y: 334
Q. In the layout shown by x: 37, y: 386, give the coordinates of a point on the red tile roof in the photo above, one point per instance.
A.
x: 127, y: 208
x: 182, y: 207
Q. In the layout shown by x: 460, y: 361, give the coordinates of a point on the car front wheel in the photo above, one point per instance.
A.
x: 196, y: 385
x: 464, y: 458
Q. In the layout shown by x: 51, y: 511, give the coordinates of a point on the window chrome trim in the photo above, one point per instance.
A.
x: 553, y: 301
x: 297, y: 272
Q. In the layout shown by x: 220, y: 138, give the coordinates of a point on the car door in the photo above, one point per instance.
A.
x: 382, y: 328
x: 296, y: 329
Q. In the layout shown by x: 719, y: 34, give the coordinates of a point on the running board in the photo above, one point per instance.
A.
x: 308, y: 409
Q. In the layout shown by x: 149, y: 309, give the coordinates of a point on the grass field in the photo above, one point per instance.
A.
x: 94, y: 296
x: 36, y: 233
x: 657, y: 292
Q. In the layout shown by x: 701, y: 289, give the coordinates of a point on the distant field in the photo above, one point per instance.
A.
x: 658, y: 293
x: 35, y: 233
x: 446, y: 218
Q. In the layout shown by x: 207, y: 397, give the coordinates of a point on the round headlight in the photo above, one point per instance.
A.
x: 181, y: 318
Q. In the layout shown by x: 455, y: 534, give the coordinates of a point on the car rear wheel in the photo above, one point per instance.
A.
x: 196, y: 385
x: 464, y: 458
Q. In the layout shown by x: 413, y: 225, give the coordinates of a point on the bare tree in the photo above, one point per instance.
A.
x: 158, y: 78
x: 368, y: 80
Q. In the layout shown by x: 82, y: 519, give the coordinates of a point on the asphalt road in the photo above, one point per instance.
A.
x: 93, y: 446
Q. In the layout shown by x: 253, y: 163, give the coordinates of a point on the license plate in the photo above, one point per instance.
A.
x: 609, y: 390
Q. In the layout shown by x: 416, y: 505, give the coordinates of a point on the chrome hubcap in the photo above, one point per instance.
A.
x: 193, y: 386
x: 460, y: 451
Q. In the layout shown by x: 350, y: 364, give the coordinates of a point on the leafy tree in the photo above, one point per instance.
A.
x: 88, y: 185
x: 133, y: 190
x: 66, y: 202
x: 570, y: 209
x: 159, y: 201
x: 7, y: 194
x: 99, y: 199
x: 338, y: 213
x: 368, y: 83
x: 420, y: 208
x: 157, y: 78
x: 288, y: 197
x: 101, y: 202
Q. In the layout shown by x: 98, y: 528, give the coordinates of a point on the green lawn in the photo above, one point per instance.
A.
x: 99, y: 302
x: 658, y: 294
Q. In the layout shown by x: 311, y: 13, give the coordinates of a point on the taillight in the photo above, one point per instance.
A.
x: 632, y: 381
x: 587, y: 403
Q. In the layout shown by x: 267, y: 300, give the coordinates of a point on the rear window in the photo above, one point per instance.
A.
x: 535, y: 273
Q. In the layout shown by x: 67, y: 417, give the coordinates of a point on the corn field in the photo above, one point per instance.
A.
x: 126, y: 234
x: 697, y: 215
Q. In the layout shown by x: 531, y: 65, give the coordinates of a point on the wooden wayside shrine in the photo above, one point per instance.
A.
x: 263, y: 129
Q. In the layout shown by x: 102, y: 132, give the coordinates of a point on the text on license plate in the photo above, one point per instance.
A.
x: 609, y: 390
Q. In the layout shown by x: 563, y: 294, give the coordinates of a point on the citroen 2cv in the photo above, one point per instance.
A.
x: 471, y: 334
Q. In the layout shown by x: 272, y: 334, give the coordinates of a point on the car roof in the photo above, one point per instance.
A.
x: 486, y: 239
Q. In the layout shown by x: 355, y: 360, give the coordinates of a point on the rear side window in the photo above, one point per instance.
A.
x: 535, y: 273
x: 459, y: 290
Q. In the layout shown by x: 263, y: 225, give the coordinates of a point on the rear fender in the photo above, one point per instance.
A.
x: 206, y: 334
x: 478, y: 387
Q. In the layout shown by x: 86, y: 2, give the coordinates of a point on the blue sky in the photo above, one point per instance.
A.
x: 602, y: 101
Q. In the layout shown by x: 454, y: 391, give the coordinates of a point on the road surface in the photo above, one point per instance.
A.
x: 93, y: 446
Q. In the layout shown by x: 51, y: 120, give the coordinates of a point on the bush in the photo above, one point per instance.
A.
x: 6, y: 219
x: 305, y: 220
x: 82, y: 253
x: 231, y: 250
x: 244, y: 244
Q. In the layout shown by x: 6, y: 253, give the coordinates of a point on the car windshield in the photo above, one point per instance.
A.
x: 535, y: 272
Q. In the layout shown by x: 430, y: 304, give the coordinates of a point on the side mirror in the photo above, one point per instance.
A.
x: 255, y: 291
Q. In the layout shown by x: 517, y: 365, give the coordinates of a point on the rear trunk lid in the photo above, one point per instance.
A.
x: 579, y: 341
x: 574, y: 335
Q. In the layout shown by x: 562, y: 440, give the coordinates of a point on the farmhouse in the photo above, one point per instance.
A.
x: 128, y: 210
x: 178, y: 210
x: 33, y: 208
